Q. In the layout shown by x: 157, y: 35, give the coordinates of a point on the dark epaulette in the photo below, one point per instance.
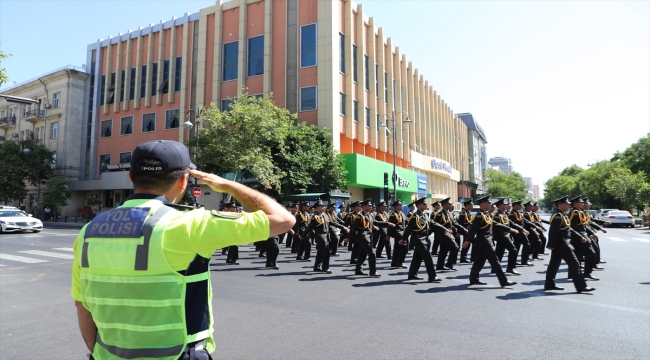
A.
x: 182, y: 208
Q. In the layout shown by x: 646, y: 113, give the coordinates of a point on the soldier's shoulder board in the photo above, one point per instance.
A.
x: 226, y: 214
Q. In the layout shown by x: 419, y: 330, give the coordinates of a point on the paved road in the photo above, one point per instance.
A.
x: 292, y: 313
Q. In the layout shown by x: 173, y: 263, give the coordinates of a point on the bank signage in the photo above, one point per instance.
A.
x: 401, y: 182
x: 367, y: 173
x: 422, y: 183
x: 437, y: 164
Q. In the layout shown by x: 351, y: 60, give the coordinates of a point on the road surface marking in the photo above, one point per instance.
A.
x: 616, y: 239
x: 37, y: 277
x: 64, y: 249
x: 47, y: 253
x: 2, y: 265
x: 646, y: 240
x: 21, y: 259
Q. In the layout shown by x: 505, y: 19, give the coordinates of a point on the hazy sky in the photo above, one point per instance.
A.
x: 552, y: 83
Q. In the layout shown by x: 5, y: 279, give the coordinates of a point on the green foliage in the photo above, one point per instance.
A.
x: 626, y: 186
x: 18, y: 168
x: 637, y: 156
x: 592, y: 184
x: 57, y: 194
x: 3, y: 71
x: 499, y: 185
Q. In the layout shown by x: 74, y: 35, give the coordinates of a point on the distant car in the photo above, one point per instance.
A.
x: 17, y: 220
x: 456, y: 212
x: 603, y: 214
x: 618, y: 217
x: 8, y: 207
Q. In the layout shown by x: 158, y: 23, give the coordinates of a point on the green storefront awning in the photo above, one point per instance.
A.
x: 314, y: 196
x: 365, y: 172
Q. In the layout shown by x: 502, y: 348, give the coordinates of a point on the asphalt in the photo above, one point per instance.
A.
x: 293, y: 313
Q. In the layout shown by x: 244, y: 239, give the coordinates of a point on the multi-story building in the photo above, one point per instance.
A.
x: 477, y: 159
x: 325, y: 60
x: 55, y: 123
x: 504, y: 164
x: 536, y: 192
x: 529, y: 182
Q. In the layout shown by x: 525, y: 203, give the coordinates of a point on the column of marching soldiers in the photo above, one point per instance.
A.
x: 498, y: 226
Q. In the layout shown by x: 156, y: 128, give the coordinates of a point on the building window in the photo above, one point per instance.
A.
x: 102, y: 90
x: 342, y: 104
x: 37, y: 134
x: 172, y: 119
x: 355, y: 110
x: 355, y: 76
x: 107, y: 128
x: 308, y: 45
x: 154, y: 79
x: 54, y: 130
x: 143, y: 82
x: 256, y: 56
x: 377, y: 80
x: 178, y: 71
x: 56, y: 100
x: 149, y: 122
x: 164, y: 82
x: 342, y: 53
x: 126, y: 125
x: 226, y: 103
x: 308, y: 98
x: 377, y: 123
x: 125, y: 158
x: 122, y: 79
x: 367, y: 71
x: 132, y: 85
x: 230, y: 61
x: 111, y: 90
x: 104, y: 161
x: 386, y: 87
x: 367, y: 117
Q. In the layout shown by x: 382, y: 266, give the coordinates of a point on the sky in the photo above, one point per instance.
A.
x: 552, y: 83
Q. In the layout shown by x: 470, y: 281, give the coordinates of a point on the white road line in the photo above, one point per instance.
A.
x: 64, y: 249
x: 616, y: 239
x: 47, y: 253
x: 21, y: 259
x: 2, y: 265
x: 646, y: 240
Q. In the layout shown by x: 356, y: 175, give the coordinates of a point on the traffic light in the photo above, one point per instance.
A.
x: 385, y: 179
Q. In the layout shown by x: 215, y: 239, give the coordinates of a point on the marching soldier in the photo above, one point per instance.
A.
x: 320, y: 223
x: 503, y: 238
x: 383, y: 240
x: 436, y: 239
x: 334, y: 230
x: 594, y: 228
x: 341, y: 216
x: 400, y: 246
x: 533, y: 230
x: 584, y: 249
x: 446, y: 238
x: 412, y: 210
x: 480, y: 235
x: 361, y: 233
x: 418, y: 231
x: 521, y: 239
x: 303, y: 247
x: 355, y: 210
x: 291, y: 233
x: 560, y: 235
x: 272, y: 251
x: 233, y: 251
x: 465, y: 219
x: 538, y: 222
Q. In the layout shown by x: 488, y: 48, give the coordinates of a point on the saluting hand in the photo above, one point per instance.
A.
x: 215, y: 182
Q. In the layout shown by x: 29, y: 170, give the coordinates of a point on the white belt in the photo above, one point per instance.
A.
x: 198, y: 346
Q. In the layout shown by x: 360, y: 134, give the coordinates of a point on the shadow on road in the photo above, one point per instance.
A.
x: 271, y: 274
x: 387, y: 282
x: 644, y: 283
x: 464, y: 287
x: 533, y: 293
x: 335, y: 277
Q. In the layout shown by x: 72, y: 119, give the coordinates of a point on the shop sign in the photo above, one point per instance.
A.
x: 440, y: 165
x: 401, y: 182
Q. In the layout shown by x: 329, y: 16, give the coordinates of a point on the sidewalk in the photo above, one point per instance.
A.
x: 51, y: 224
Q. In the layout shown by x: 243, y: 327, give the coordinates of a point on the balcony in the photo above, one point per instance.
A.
x: 7, y: 123
x: 34, y: 116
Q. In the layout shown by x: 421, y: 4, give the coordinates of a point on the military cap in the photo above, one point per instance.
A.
x: 382, y: 203
x: 445, y: 201
x: 397, y: 203
x: 577, y: 199
x: 355, y: 203
x: 331, y: 205
x: 170, y: 155
x: 498, y: 202
x: 518, y: 202
x: 367, y: 202
x: 507, y: 201
x: 528, y: 203
x: 535, y: 203
x: 341, y: 206
x: 420, y: 201
x: 318, y: 203
x: 229, y: 205
x: 562, y: 200
x: 483, y: 199
x: 294, y: 205
x: 436, y: 203
x: 586, y: 200
x: 305, y: 203
x: 467, y: 202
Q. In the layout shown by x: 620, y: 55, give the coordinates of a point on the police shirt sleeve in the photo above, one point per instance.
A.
x: 75, y: 288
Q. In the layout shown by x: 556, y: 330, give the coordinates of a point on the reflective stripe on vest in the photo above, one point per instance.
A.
x: 136, y: 298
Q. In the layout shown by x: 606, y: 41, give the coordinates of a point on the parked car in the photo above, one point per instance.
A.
x: 603, y: 215
x: 12, y: 220
x: 618, y: 217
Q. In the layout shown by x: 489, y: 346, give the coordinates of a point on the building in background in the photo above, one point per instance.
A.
x: 56, y: 123
x: 325, y: 60
x: 536, y: 192
x: 504, y: 164
x: 473, y: 185
x: 529, y: 182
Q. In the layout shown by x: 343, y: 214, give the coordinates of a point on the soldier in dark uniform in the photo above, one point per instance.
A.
x: 272, y: 251
x: 436, y: 239
x: 579, y: 223
x: 592, y: 229
x: 446, y: 238
x: 233, y: 251
x: 412, y: 210
x: 480, y: 235
x: 361, y: 233
x: 334, y: 230
x: 533, y: 230
x: 400, y: 246
x: 383, y: 240
x: 521, y: 239
x: 355, y: 210
x: 320, y: 223
x: 560, y: 234
x: 341, y: 217
x: 503, y: 238
x: 538, y: 222
x: 302, y: 220
x: 465, y: 219
x: 417, y: 231
x: 290, y: 235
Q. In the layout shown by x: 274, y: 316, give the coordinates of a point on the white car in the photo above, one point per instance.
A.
x: 16, y: 220
x: 603, y: 215
x: 619, y: 217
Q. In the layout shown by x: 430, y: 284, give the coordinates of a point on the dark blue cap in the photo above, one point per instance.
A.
x: 172, y: 156
x: 483, y: 199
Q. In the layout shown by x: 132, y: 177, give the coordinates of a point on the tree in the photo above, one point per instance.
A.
x: 18, y: 168
x: 637, y: 156
x: 3, y: 71
x: 592, y: 184
x: 57, y: 194
x: 626, y: 186
x: 501, y: 185
x: 564, y: 184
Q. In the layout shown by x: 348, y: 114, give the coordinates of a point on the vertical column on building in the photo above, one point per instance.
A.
x: 403, y: 107
x: 127, y: 75
x: 418, y: 127
x: 361, y: 87
x: 268, y: 46
x: 390, y: 69
x: 161, y: 61
x: 107, y: 73
x: 372, y: 96
x: 328, y: 69
x: 349, y: 68
x: 397, y: 99
x: 172, y: 66
x: 118, y: 77
x: 243, y: 46
x: 410, y: 90
x: 147, y: 89
x: 201, y: 57
x: 422, y: 139
x: 381, y: 100
x: 218, y: 47
x: 138, y: 71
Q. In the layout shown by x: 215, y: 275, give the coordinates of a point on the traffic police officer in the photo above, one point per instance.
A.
x: 154, y: 256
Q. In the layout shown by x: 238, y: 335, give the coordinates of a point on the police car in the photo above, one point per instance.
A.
x: 17, y: 220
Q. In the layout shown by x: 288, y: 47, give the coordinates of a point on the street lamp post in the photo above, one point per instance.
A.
x: 188, y: 125
x: 392, y: 119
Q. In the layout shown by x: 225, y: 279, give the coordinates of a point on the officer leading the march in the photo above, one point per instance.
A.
x: 154, y: 256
